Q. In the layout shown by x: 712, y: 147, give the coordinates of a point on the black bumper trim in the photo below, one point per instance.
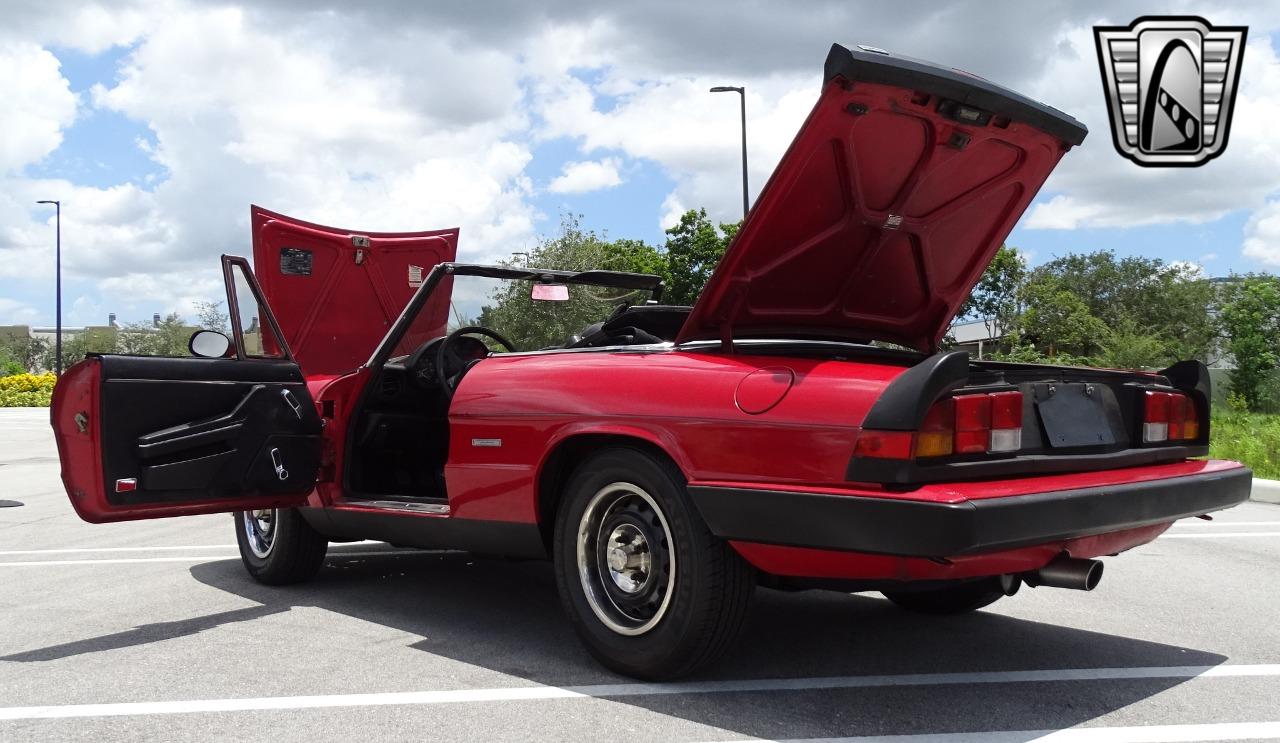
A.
x: 896, y: 526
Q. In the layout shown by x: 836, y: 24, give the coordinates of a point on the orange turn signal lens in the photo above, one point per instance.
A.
x: 934, y: 443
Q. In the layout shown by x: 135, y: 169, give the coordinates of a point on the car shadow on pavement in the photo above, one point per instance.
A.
x: 142, y: 635
x: 505, y: 616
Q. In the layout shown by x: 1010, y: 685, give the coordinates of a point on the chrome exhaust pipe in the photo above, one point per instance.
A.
x: 1067, y: 572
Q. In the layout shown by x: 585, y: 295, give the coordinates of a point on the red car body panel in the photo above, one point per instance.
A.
x: 876, y: 223
x: 801, y: 562
x: 76, y: 398
x: 336, y: 292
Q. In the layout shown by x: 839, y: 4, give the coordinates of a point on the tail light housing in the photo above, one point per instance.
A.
x: 989, y: 423
x: 1169, y: 416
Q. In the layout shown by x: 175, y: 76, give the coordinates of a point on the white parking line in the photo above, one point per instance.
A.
x: 79, y: 550
x: 462, y: 696
x: 191, y: 558
x: 1202, y: 522
x: 1137, y: 734
x: 1222, y: 535
x: 89, y: 550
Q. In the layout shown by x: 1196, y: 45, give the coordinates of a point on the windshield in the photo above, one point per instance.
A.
x: 507, y: 306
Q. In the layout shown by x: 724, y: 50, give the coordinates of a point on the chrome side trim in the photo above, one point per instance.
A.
x: 440, y: 509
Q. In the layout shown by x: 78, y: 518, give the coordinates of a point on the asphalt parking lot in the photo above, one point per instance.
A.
x: 152, y: 631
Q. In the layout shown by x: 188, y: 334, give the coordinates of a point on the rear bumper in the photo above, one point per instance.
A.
x: 916, y: 528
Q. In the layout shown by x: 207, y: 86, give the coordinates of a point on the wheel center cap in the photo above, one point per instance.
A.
x: 617, y: 559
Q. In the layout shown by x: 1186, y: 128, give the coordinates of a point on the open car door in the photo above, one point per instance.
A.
x: 149, y: 436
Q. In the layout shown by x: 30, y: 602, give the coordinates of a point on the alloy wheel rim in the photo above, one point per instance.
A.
x: 260, y: 530
x: 626, y: 560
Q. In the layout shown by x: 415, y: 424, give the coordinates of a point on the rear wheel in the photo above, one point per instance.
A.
x: 957, y: 599
x: 649, y: 590
x: 278, y: 546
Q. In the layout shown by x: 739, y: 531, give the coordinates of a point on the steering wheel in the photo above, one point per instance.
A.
x: 450, y: 383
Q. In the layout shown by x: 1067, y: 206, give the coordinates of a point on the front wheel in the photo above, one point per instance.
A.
x: 649, y: 590
x: 278, y: 546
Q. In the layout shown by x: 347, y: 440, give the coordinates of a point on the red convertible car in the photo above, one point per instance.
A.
x: 801, y: 426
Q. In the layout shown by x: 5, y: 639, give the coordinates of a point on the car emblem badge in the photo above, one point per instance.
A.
x: 1170, y: 85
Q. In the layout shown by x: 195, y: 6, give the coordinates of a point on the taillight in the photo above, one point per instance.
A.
x: 884, y: 444
x: 972, y: 424
x: 1006, y: 421
x: 1169, y: 416
x: 965, y: 424
x: 936, y: 434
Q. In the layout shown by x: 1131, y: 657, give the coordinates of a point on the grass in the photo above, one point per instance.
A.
x: 1251, y: 438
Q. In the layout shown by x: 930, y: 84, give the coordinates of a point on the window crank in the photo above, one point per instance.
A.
x: 281, y: 472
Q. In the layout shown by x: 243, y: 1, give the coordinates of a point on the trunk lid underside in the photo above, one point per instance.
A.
x: 888, y: 205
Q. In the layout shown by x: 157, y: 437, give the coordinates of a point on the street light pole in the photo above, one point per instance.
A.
x: 57, y: 354
x: 742, y: 94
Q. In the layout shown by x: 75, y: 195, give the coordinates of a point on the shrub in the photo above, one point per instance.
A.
x: 1251, y: 438
x: 26, y: 390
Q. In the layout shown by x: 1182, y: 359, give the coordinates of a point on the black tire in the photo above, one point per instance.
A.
x: 294, y: 553
x: 957, y: 599
x: 709, y: 585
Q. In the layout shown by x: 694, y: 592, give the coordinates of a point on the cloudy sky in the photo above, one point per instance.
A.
x: 157, y: 124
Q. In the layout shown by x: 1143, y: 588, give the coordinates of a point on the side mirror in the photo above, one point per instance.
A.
x: 209, y: 344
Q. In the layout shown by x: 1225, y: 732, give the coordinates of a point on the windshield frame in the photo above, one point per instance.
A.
x: 610, y: 279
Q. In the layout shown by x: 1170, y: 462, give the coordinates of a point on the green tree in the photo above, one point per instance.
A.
x: 213, y: 316
x: 1250, y: 320
x: 692, y: 250
x: 995, y: 297
x: 23, y: 353
x: 9, y: 365
x: 1170, y: 302
x: 1127, y: 346
x: 694, y: 247
x: 1058, y: 321
x: 137, y: 339
x: 531, y: 325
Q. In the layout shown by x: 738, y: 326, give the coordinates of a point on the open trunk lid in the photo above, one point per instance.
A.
x: 888, y: 205
x: 336, y: 292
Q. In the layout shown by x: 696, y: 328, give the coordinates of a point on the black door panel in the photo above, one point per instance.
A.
x: 206, y: 429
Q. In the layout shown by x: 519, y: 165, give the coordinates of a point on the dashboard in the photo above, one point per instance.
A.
x: 419, y: 367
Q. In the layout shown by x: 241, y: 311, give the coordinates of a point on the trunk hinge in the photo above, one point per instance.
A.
x: 733, y: 300
x: 726, y: 337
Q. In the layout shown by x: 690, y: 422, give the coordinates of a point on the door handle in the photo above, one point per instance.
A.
x: 292, y: 402
x: 276, y: 462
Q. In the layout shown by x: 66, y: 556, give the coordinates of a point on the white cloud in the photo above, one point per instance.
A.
x: 586, y: 176
x: 296, y: 124
x: 693, y: 135
x: 17, y: 313
x: 37, y: 104
x: 1262, y: 234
